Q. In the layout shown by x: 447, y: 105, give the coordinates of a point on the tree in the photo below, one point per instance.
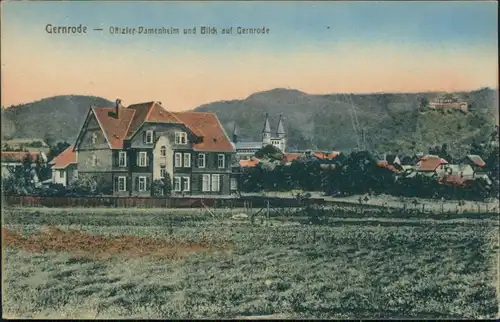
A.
x: 477, y: 148
x: 58, y: 148
x: 20, y: 179
x: 424, y: 102
x: 358, y: 174
x: 443, y: 153
x: 162, y: 187
x: 270, y: 152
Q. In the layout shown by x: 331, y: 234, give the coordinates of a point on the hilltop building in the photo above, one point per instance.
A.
x: 449, y: 101
x: 245, y: 150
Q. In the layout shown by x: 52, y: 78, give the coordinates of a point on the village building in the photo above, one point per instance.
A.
x: 64, y: 167
x: 246, y: 150
x: 126, y: 149
x: 471, y: 168
x: 27, y: 145
x: 430, y: 165
x: 12, y: 160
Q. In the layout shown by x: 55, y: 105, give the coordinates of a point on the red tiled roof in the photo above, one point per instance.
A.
x: 158, y: 114
x: 208, y: 126
x: 382, y: 163
x: 141, y: 112
x: 325, y: 156
x: 7, y: 156
x: 205, y: 125
x: 477, y: 160
x: 452, y: 180
x: 385, y: 164
x: 430, y: 163
x: 114, y: 128
x: 249, y: 163
x: 289, y: 157
x: 64, y: 159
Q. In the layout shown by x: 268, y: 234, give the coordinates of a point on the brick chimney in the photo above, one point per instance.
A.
x: 117, y: 107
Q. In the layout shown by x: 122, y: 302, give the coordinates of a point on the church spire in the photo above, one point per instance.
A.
x: 267, y: 127
x: 236, y: 133
x: 281, y: 131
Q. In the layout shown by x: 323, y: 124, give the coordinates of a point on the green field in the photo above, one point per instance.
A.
x: 153, y: 264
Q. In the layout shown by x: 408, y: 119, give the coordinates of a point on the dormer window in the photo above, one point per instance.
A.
x: 94, y: 138
x: 180, y: 138
x: 163, y: 151
x: 149, y: 137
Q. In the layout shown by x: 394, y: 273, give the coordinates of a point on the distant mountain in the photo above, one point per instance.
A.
x: 391, y: 122
x: 55, y: 118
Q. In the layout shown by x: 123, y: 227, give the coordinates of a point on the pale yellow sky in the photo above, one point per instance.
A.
x: 316, y: 47
x: 185, y: 79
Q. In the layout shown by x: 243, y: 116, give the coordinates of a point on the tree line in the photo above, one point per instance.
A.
x: 359, y: 173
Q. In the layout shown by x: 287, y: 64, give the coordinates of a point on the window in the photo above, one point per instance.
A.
x: 234, y: 184
x: 122, y: 183
x: 185, y: 184
x: 94, y: 160
x: 187, y: 160
x: 205, y: 182
x: 178, y: 160
x: 163, y: 172
x: 61, y: 174
x: 177, y: 184
x: 143, y: 159
x: 149, y: 136
x: 180, y: 138
x: 94, y: 138
x: 142, y: 184
x: 201, y: 160
x: 215, y: 182
x: 221, y: 161
x: 122, y: 159
x: 163, y: 151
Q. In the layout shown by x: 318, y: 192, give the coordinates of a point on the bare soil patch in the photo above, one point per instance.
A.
x: 80, y: 244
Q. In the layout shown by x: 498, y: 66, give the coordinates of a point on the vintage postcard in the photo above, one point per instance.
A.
x: 250, y: 160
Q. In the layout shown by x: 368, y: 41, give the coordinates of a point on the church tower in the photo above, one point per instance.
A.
x: 266, y: 133
x: 236, y: 133
x: 280, y: 133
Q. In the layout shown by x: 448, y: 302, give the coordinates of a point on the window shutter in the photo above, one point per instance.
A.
x: 137, y: 183
x: 128, y: 183
x: 148, y: 184
x: 137, y: 161
x: 115, y: 180
x: 144, y: 137
x: 147, y: 159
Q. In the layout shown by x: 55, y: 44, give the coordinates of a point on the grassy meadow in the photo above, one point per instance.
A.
x: 72, y: 263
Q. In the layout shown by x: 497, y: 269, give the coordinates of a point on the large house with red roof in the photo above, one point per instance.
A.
x: 125, y: 149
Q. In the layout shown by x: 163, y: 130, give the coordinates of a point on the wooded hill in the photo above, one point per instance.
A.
x: 391, y: 122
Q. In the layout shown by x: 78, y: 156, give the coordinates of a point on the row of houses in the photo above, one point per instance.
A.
x: 471, y: 167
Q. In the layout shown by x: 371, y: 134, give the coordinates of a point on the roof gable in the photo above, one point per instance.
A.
x: 476, y: 160
x: 115, y: 128
x: 64, y: 159
x: 206, y: 125
x: 430, y: 163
